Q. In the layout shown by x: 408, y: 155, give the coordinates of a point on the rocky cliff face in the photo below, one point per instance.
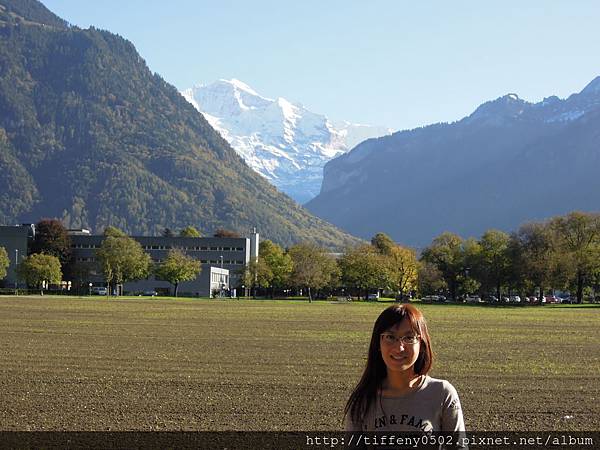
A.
x: 510, y: 161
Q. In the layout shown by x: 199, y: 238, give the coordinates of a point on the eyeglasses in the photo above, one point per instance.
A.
x: 391, y: 339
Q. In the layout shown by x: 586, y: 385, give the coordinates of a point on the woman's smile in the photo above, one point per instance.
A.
x: 397, y: 354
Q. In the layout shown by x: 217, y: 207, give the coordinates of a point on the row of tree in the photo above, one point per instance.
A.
x: 561, y: 253
x: 366, y: 268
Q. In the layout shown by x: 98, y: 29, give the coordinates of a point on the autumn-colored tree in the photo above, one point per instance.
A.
x: 223, y: 233
x: 446, y: 253
x: 471, y: 257
x: 365, y: 269
x: 313, y: 268
x: 39, y: 270
x: 113, y: 231
x: 533, y: 257
x: 383, y: 243
x: 52, y: 238
x: 401, y: 261
x: 403, y: 267
x: 257, y: 274
x: 278, y: 265
x: 4, y: 262
x: 178, y: 267
x: 577, y: 238
x: 189, y: 231
x: 122, y: 258
x: 430, y: 279
x: 493, y: 267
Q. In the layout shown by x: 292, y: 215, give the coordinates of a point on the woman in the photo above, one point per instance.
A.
x: 395, y: 393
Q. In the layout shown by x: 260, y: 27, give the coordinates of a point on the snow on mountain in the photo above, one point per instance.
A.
x: 283, y: 141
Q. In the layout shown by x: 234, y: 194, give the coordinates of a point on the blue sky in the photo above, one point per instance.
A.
x: 396, y: 63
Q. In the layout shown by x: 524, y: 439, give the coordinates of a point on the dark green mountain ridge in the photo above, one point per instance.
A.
x: 89, y: 135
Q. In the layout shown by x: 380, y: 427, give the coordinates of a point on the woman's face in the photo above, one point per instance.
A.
x: 397, y: 355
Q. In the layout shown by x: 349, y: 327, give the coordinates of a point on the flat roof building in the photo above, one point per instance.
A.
x: 227, y: 257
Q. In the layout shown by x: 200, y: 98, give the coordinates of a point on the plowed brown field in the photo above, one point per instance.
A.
x: 160, y: 364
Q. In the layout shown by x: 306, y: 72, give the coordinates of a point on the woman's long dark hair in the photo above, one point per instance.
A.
x: 366, y: 390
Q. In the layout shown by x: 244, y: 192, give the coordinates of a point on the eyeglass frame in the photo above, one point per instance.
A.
x: 416, y: 338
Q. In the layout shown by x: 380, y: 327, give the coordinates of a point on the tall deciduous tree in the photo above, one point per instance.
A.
x: 493, y: 267
x: 312, y: 267
x: 4, y: 262
x: 52, y: 238
x: 223, y: 233
x: 383, y: 243
x: 401, y: 261
x: 257, y: 274
x: 365, y: 269
x: 178, y: 267
x: 471, y: 256
x: 189, y: 231
x: 430, y: 279
x: 533, y: 256
x: 122, y: 259
x: 39, y: 269
x: 113, y: 231
x: 278, y: 264
x: 446, y: 253
x: 577, y: 237
x: 403, y: 269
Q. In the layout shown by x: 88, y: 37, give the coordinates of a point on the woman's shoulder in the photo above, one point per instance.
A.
x: 444, y: 387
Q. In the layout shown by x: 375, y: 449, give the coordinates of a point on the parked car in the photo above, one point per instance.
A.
x: 473, y: 299
x: 552, y: 299
x: 569, y: 300
x: 150, y: 294
x: 505, y: 299
x: 492, y: 299
x: 430, y: 298
x: 515, y: 299
x: 99, y: 290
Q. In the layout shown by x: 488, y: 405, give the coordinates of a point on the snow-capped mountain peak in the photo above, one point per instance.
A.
x: 281, y: 140
x: 240, y: 85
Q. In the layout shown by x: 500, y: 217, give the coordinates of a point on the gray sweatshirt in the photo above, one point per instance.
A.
x: 433, y: 406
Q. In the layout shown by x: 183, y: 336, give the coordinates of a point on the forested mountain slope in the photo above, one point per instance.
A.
x: 89, y: 135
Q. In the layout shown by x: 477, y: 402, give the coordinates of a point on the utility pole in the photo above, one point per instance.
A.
x: 221, y: 278
x: 16, y: 276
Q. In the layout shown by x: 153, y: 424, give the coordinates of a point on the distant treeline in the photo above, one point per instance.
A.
x: 562, y: 253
